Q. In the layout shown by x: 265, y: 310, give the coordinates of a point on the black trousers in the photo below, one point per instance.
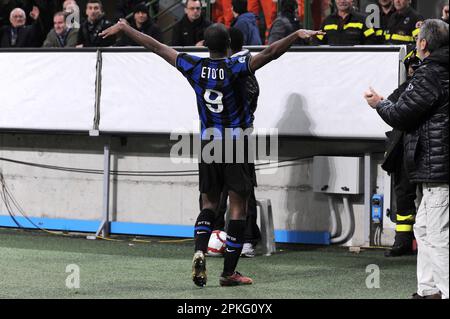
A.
x: 405, y: 195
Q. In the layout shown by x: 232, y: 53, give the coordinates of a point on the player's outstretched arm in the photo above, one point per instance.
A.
x: 278, y: 48
x: 164, y: 51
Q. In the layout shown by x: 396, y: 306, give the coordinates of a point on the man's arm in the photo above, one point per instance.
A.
x: 164, y: 51
x: 414, y: 104
x: 278, y: 48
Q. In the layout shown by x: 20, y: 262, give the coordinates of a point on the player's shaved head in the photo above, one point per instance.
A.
x: 217, y: 38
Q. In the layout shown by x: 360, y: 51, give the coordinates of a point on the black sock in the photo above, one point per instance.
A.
x: 203, y: 229
x: 235, y: 241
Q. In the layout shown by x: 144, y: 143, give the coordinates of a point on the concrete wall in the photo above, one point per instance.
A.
x: 163, y: 200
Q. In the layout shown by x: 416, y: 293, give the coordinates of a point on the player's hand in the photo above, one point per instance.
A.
x: 307, y: 34
x: 372, y: 97
x: 115, y: 29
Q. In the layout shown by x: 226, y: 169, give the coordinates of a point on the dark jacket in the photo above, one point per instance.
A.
x: 88, y: 35
x: 401, y: 28
x: 27, y: 36
x: 394, y: 143
x: 349, y: 31
x: 148, y: 28
x: 422, y: 113
x: 125, y: 7
x: 246, y: 23
x: 283, y: 26
x: 380, y: 32
x: 187, y: 33
x: 47, y: 9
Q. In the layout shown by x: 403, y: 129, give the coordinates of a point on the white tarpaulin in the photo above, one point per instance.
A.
x: 302, y: 93
x: 141, y: 92
x: 306, y: 93
x: 47, y: 90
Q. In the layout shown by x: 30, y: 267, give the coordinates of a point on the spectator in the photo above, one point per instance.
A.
x: 403, y: 25
x: 189, y: 31
x: 422, y: 113
x: 141, y: 22
x: 404, y: 215
x: 19, y: 35
x: 88, y: 35
x: 387, y: 9
x: 286, y: 22
x: 346, y: 27
x: 269, y: 9
x: 47, y: 9
x: 61, y: 36
x: 126, y: 7
x: 245, y: 22
x: 445, y: 14
x: 222, y: 13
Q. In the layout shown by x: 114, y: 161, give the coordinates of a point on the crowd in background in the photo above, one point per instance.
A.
x: 63, y: 23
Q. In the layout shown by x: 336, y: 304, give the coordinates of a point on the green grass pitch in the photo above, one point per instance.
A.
x: 33, y: 265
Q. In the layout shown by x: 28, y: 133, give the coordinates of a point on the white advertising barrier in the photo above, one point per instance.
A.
x: 322, y: 93
x: 305, y: 93
x: 47, y: 90
x: 141, y: 92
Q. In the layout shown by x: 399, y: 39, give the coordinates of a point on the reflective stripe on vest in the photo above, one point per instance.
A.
x: 330, y: 27
x: 408, y: 218
x: 356, y: 25
x: 404, y: 228
x: 369, y: 32
x: 398, y: 37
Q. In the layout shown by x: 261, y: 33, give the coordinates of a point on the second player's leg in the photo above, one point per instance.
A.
x: 235, y: 241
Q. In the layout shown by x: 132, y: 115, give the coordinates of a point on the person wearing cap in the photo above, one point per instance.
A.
x: 143, y: 23
x: 404, y: 215
x: 125, y: 8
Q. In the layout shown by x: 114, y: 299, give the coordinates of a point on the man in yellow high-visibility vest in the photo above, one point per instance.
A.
x: 403, y: 25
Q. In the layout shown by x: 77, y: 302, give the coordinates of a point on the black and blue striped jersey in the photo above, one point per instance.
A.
x: 221, y: 97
